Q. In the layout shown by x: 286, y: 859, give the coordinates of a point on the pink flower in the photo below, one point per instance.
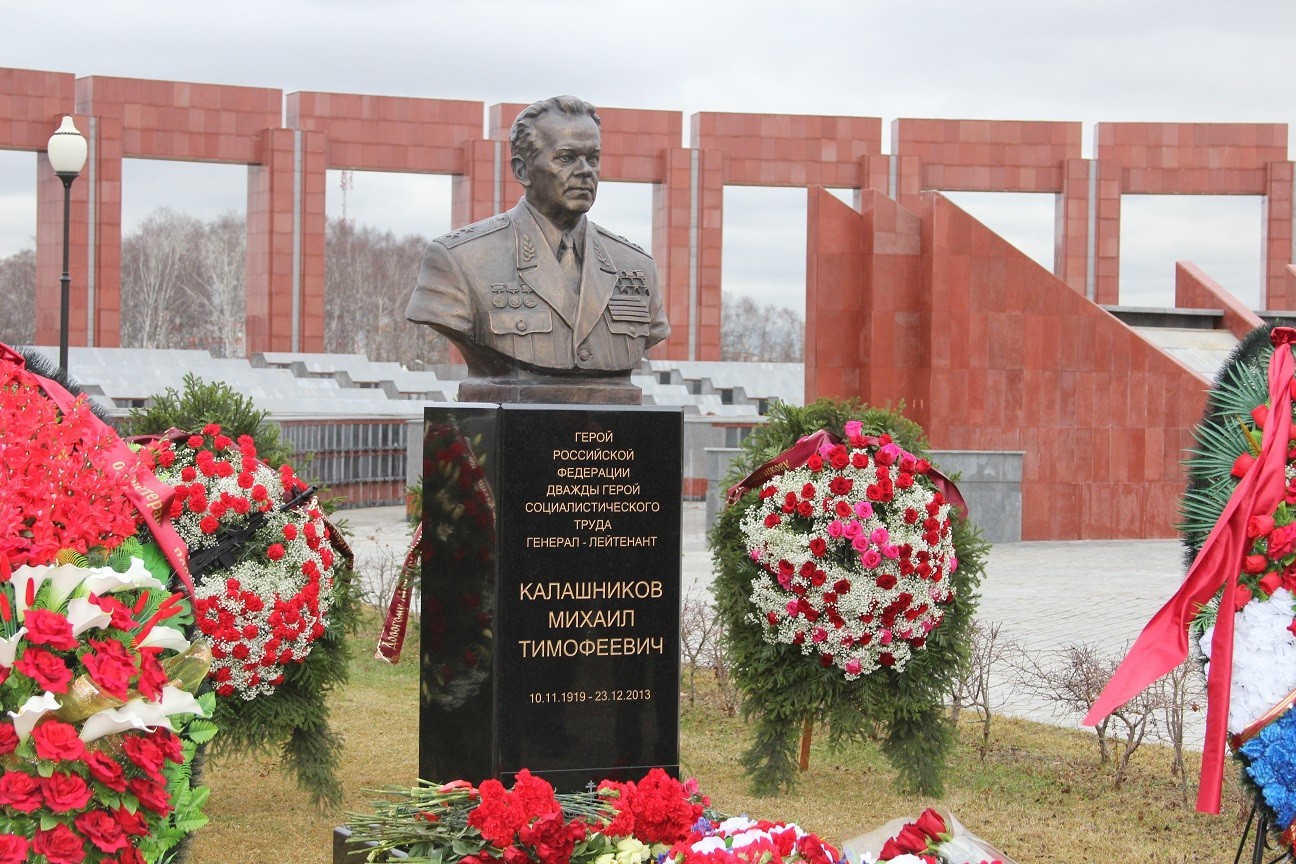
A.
x: 853, y: 428
x: 885, y: 637
x: 792, y: 607
x: 871, y: 558
x: 891, y: 551
x: 853, y: 667
x: 818, y: 635
x: 879, y: 536
x: 864, y: 510
x: 853, y: 529
x: 835, y: 528
x: 860, y: 543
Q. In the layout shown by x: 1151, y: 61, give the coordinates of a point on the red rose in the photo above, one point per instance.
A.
x: 1270, y: 582
x: 64, y: 792
x: 152, y: 677
x: 1259, y: 526
x: 49, y: 628
x: 146, y: 755
x: 57, y: 741
x: 59, y: 845
x: 1242, y: 464
x: 101, y: 829
x: 169, y: 743
x: 815, y: 462
x: 886, y: 659
x: 20, y: 791
x: 1282, y: 541
x: 886, y: 581
x: 772, y: 519
x: 150, y: 794
x: 13, y: 849
x: 48, y: 671
x: 110, y: 666
x: 841, y: 485
x: 931, y: 824
x: 818, y: 547
x: 134, y: 824
x: 8, y: 739
x: 911, y: 839
x: 106, y: 770
x: 890, y: 850
x: 1254, y: 564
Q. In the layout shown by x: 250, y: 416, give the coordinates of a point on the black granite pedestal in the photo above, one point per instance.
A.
x: 551, y: 592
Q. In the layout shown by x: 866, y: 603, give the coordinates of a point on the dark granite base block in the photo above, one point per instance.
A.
x: 585, y: 392
x: 551, y: 592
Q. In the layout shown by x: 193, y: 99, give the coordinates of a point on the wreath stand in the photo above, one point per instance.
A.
x: 1263, y: 842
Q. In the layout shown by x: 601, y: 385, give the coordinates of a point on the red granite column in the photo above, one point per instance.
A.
x: 312, y: 228
x: 1108, y: 231
x: 710, y: 231
x: 1071, y: 240
x: 482, y: 190
x: 269, y: 245
x: 1279, y: 249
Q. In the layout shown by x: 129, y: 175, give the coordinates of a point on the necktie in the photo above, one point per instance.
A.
x: 567, y: 258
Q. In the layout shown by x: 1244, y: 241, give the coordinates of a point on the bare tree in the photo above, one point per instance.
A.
x: 221, y: 291
x: 160, y: 277
x: 18, y: 290
x: 1074, y: 683
x: 750, y: 331
x: 989, y: 657
x: 700, y: 627
x: 368, y: 277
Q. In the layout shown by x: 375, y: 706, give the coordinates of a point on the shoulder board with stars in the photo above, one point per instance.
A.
x: 476, y: 229
x: 617, y: 237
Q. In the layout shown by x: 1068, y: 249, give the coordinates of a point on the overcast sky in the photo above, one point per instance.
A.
x: 1098, y: 60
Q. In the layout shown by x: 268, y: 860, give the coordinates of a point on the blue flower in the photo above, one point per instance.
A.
x: 1271, y: 765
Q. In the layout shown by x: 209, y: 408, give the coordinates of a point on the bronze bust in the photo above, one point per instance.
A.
x: 545, y: 305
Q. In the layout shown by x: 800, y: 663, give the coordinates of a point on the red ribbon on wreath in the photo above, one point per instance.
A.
x: 151, y: 496
x: 800, y: 452
x: 1163, y: 644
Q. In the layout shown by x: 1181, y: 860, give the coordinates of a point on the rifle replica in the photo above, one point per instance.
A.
x: 230, y: 540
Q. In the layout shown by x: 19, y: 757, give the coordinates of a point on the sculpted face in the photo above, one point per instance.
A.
x: 562, y: 180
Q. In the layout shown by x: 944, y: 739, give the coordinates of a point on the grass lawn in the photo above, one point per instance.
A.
x: 1039, y: 795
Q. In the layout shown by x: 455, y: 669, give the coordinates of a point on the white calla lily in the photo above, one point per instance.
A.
x: 84, y: 615
x: 164, y: 637
x: 9, y: 647
x: 65, y: 579
x: 24, y: 719
x: 105, y: 580
x: 141, y: 714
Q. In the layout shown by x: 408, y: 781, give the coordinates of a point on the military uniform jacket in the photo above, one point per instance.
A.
x: 497, y: 285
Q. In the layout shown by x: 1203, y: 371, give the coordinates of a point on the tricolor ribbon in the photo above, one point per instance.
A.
x: 800, y: 452
x: 151, y: 497
x: 1163, y: 644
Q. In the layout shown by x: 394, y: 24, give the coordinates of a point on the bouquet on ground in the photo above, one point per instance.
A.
x: 856, y: 549
x: 97, y: 675
x: 933, y: 838
x: 655, y: 819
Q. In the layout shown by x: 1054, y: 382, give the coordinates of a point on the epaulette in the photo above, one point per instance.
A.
x: 476, y: 229
x: 617, y: 237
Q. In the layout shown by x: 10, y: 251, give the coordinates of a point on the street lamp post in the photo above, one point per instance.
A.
x: 67, y: 155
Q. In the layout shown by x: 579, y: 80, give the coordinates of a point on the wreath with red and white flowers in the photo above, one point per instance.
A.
x: 265, y: 611
x: 855, y: 548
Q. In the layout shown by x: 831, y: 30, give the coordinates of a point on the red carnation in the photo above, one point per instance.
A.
x: 64, y: 792
x: 47, y: 670
x: 275, y: 552
x: 57, y: 741
x: 59, y: 845
x: 662, y: 813
x: 194, y: 442
x: 49, y: 628
x: 209, y: 524
x: 498, y: 817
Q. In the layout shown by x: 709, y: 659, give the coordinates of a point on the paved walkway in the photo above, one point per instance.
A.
x: 1046, y: 595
